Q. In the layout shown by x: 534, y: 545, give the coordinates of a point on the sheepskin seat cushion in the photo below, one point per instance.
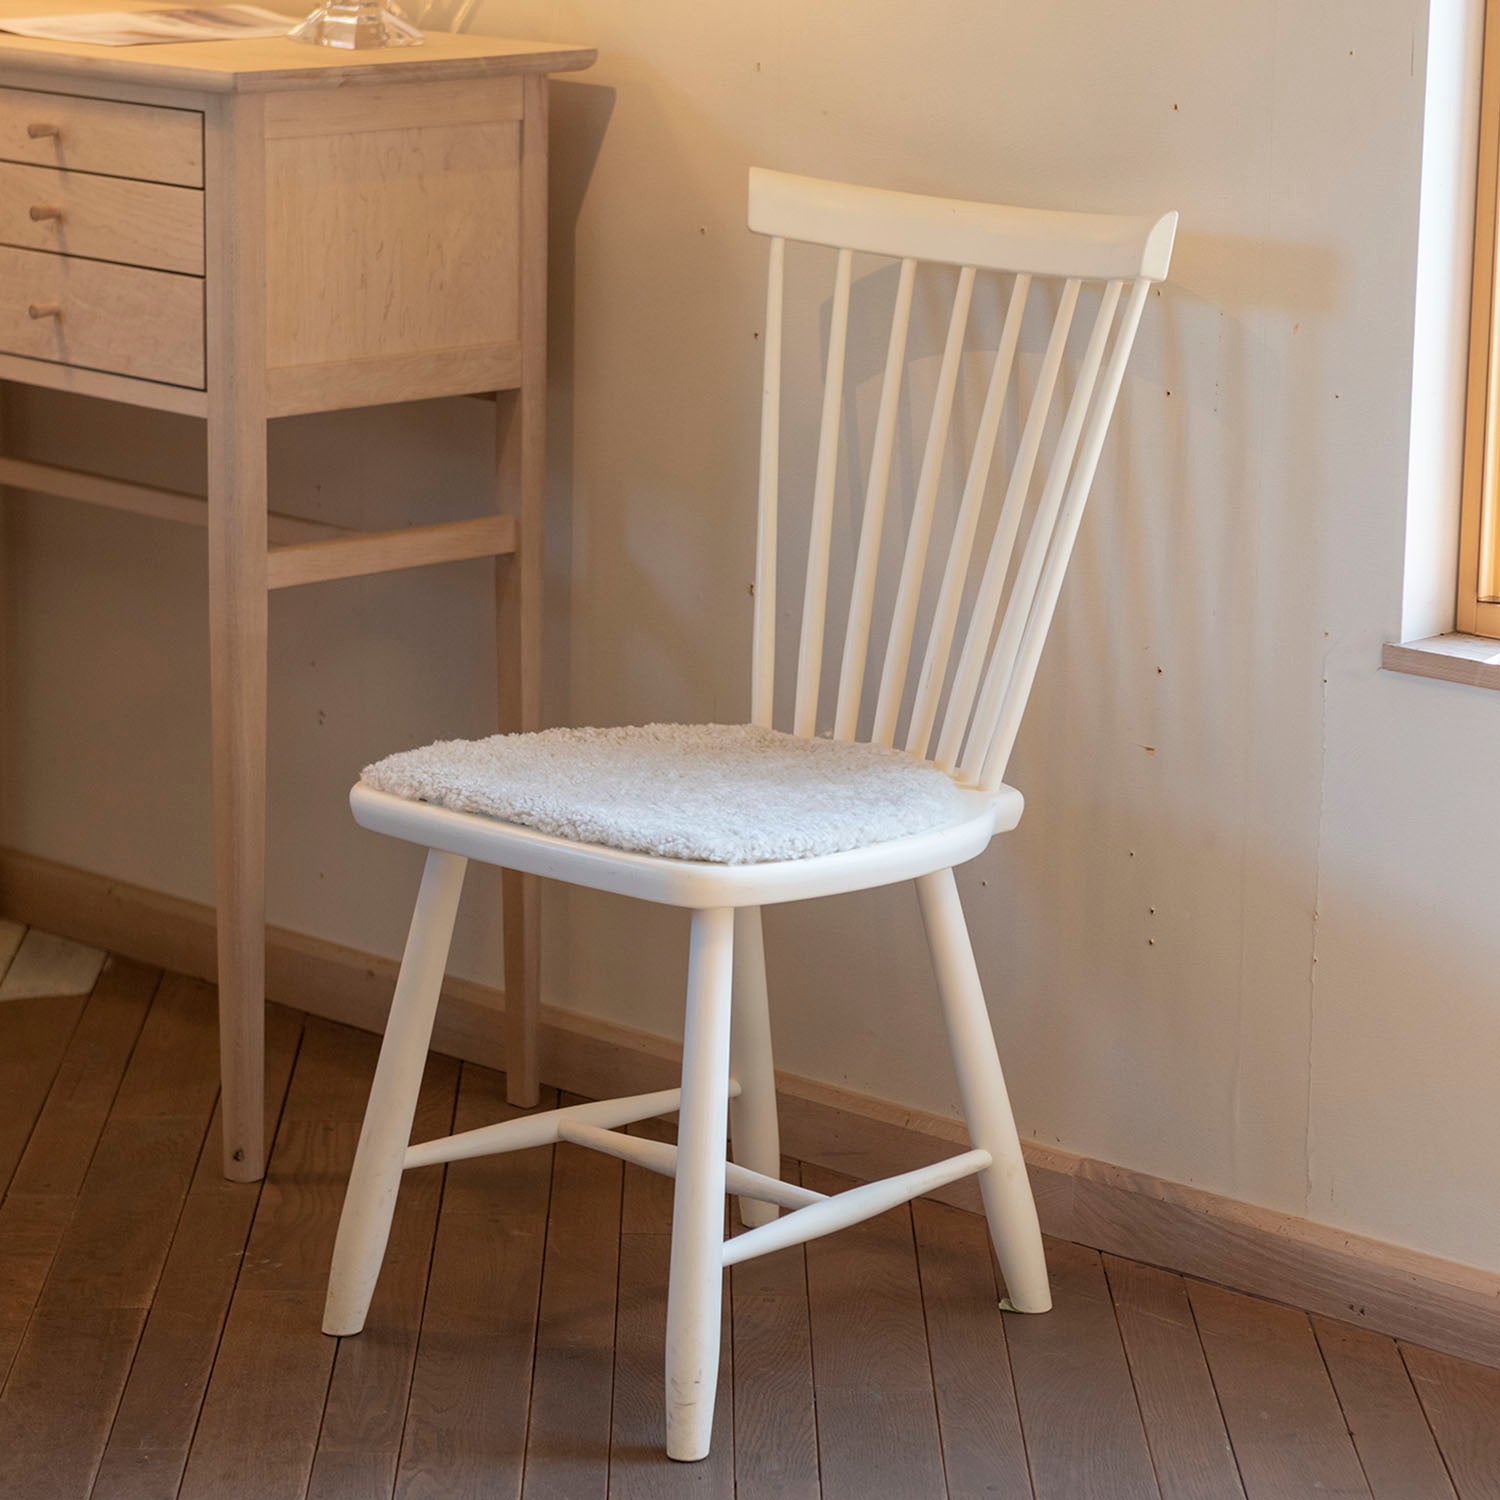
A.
x: 725, y: 793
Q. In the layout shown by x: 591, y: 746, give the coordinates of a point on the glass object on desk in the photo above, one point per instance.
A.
x: 357, y: 25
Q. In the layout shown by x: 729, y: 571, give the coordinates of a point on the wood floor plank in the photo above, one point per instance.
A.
x: 1279, y: 1405
x: 466, y: 1420
x: 775, y: 1410
x: 1462, y: 1402
x: 50, y: 966
x: 259, y: 1423
x: 1084, y: 1435
x: 365, y: 1414
x: 877, y: 1411
x: 639, y: 1468
x: 11, y: 934
x: 153, y: 1428
x: 984, y: 1453
x: 34, y: 1036
x: 1384, y: 1416
x: 73, y: 1361
x: 47, y: 1180
x: 1184, y: 1427
x: 572, y: 1384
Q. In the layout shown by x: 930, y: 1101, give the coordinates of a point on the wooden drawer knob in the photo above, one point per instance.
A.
x: 43, y: 132
x: 44, y: 310
x: 40, y: 211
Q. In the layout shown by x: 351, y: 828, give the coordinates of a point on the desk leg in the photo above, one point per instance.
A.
x: 237, y: 646
x: 237, y: 614
x: 518, y: 579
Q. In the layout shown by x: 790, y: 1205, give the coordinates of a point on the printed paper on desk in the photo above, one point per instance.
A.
x: 131, y: 28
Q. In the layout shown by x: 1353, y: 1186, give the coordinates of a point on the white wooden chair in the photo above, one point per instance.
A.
x: 962, y: 720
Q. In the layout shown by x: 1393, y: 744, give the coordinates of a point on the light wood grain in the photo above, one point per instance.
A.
x: 1189, y: 1447
x: 274, y: 64
x: 392, y: 106
x: 146, y: 500
x: 522, y: 478
x: 237, y: 611
x: 1084, y: 1435
x: 99, y: 135
x: 393, y: 242
x: 1384, y: 1415
x: 117, y: 319
x: 1462, y: 1402
x: 49, y: 965
x: 1279, y: 1405
x: 175, y: 398
x: 1470, y: 660
x: 382, y: 379
x: 386, y: 551
x: 107, y: 218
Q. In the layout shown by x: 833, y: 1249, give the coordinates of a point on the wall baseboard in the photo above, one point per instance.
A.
x: 1422, y: 1298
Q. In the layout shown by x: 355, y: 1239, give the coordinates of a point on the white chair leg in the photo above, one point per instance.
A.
x: 695, y: 1284
x: 1008, y: 1204
x: 370, y: 1200
x: 753, y: 1131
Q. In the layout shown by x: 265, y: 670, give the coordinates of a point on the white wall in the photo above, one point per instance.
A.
x: 1242, y: 938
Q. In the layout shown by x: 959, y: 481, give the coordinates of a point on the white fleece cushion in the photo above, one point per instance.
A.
x: 728, y: 794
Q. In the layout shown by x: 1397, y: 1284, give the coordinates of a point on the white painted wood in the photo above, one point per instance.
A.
x: 872, y: 524
x: 1003, y: 1186
x: 947, y: 230
x: 753, y: 1129
x: 992, y: 585
x: 945, y: 618
x: 1023, y: 592
x: 913, y: 564
x: 815, y: 593
x: 695, y: 1282
x: 851, y: 1207
x: 46, y: 965
x: 684, y: 882
x: 369, y: 1203
x: 543, y: 1129
x: 763, y: 668
x: 661, y: 1157
x: 727, y: 1051
x: 1002, y: 741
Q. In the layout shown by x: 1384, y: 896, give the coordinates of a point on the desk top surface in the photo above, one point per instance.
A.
x: 256, y: 65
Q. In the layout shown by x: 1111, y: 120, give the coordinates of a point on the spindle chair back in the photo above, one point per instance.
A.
x: 966, y: 710
x: 971, y: 628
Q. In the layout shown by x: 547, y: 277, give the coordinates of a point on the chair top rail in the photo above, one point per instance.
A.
x: 949, y: 231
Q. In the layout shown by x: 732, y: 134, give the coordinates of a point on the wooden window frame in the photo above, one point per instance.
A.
x: 1478, y: 601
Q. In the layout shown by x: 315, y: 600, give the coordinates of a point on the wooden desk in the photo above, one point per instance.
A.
x: 247, y: 230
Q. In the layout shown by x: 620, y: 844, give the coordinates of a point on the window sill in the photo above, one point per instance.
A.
x: 1473, y: 660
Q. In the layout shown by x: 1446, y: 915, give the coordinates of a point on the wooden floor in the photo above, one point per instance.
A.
x: 159, y: 1326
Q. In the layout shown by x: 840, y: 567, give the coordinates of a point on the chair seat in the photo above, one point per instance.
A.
x: 754, y: 807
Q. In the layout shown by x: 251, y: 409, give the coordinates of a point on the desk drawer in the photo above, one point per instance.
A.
x: 125, y: 321
x: 102, y: 135
x: 105, y: 218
